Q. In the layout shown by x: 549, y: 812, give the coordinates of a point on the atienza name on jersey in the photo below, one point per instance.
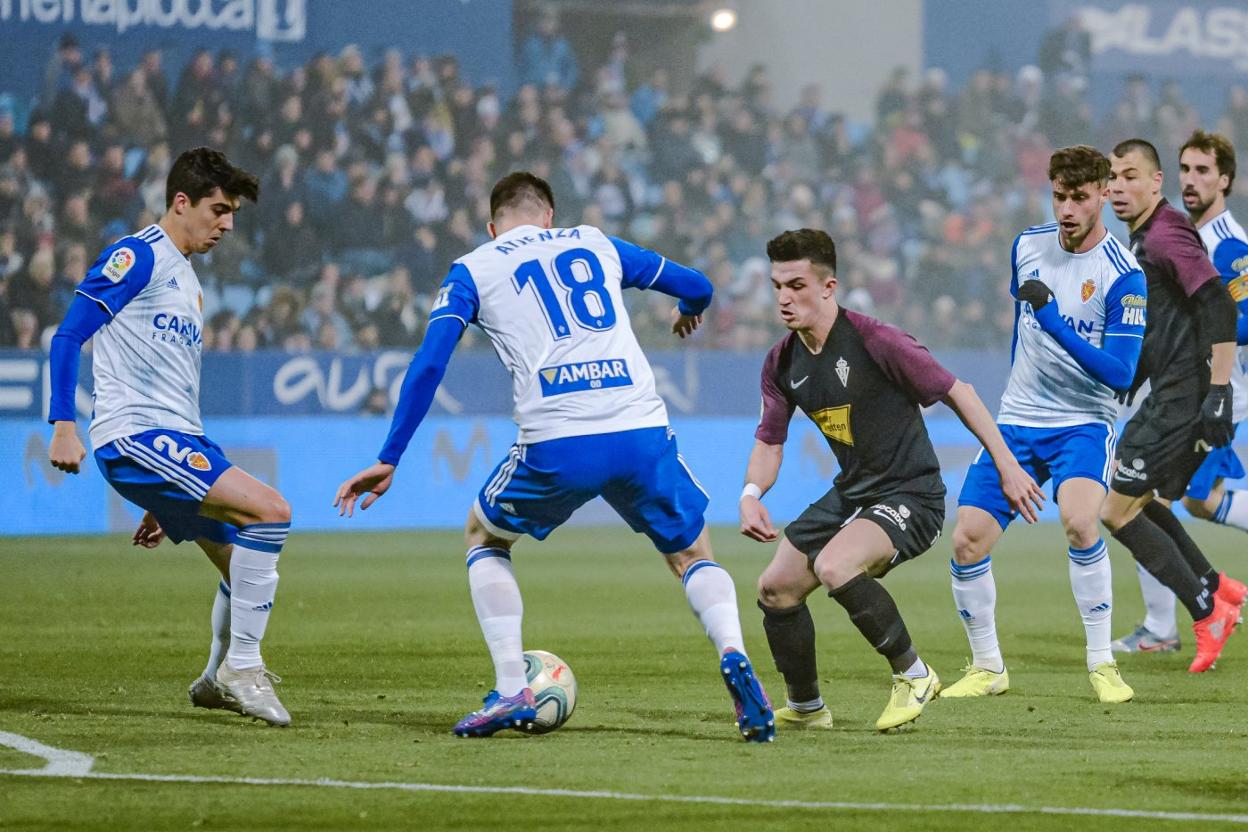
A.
x: 551, y: 302
x: 1047, y: 387
x: 147, y: 358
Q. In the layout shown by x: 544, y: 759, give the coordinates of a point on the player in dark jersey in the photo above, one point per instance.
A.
x: 863, y: 383
x: 1189, y: 349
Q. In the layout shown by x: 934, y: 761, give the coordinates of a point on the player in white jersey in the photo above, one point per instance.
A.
x: 1206, y: 175
x: 142, y: 302
x: 590, y: 425
x: 1079, y: 327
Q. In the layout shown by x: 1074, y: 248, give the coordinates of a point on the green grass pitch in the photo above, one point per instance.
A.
x: 376, y: 639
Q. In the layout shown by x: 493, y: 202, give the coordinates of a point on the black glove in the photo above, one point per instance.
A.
x: 1216, y: 426
x: 1036, y: 293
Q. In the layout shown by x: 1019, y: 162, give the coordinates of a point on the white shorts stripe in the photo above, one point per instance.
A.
x: 152, y: 461
x: 1111, y: 445
x: 685, y: 465
x: 503, y: 479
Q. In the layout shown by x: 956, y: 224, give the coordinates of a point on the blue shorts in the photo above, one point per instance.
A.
x: 1219, y: 464
x: 168, y: 473
x: 639, y: 473
x: 1059, y: 454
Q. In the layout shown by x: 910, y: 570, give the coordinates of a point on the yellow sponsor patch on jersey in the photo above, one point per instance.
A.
x: 1239, y: 287
x: 834, y: 422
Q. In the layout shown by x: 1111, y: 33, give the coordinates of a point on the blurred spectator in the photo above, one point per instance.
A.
x: 546, y: 57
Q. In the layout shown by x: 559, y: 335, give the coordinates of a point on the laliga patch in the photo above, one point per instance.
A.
x: 198, y: 461
x: 1239, y: 286
x: 834, y: 422
x: 1087, y: 290
x: 119, y: 262
x: 584, y: 375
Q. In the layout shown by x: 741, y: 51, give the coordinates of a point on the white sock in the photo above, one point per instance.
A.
x: 496, y: 598
x: 806, y: 707
x: 1158, y: 605
x: 253, y: 583
x: 975, y: 594
x: 1091, y: 581
x: 917, y: 670
x: 1233, y: 510
x: 220, y: 630
x: 713, y: 599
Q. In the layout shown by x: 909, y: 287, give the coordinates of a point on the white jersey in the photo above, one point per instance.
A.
x: 1100, y: 293
x: 147, y: 357
x: 551, y: 302
x: 1227, y: 245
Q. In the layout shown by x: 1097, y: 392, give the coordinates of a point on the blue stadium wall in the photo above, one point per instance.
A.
x: 294, y: 421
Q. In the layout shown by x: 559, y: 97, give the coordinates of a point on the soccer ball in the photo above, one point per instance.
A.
x: 554, y: 688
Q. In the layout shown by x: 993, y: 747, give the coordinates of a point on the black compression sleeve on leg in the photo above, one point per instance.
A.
x: 1153, y: 549
x: 1171, y: 525
x: 875, y: 614
x: 791, y: 637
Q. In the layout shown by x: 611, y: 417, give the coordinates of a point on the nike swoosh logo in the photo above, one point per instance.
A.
x: 1217, y: 412
x: 796, y: 384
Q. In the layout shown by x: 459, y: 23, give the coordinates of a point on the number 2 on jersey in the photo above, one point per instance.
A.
x: 586, y: 294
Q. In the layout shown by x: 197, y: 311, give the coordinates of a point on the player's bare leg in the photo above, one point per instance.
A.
x: 1091, y: 581
x: 204, y: 692
x: 975, y: 598
x: 262, y: 516
x: 847, y: 566
x: 1155, y: 549
x: 712, y: 597
x: 500, y: 612
x: 782, y: 591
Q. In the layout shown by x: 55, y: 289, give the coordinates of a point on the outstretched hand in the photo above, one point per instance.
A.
x: 373, y: 481
x: 685, y: 325
x: 1022, y: 492
x: 149, y: 533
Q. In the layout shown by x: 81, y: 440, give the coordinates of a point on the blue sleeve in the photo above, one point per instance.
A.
x: 1230, y: 258
x: 1114, y: 364
x: 420, y: 383
x: 84, y: 319
x: 457, y: 297
x: 646, y: 269
x: 122, y: 271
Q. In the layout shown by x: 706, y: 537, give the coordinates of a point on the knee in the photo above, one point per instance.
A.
x: 1203, y: 509
x: 1082, y: 532
x: 833, y: 572
x: 968, y: 547
x: 278, y: 509
x: 1112, y: 518
x: 777, y: 596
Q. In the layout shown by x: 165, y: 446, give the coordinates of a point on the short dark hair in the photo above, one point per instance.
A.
x: 1144, y: 147
x: 201, y: 171
x: 1221, y: 148
x: 1075, y: 166
x: 520, y: 187
x: 804, y: 244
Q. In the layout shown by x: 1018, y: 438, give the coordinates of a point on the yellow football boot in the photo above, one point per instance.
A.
x: 788, y: 719
x: 907, y: 700
x: 1108, y: 684
x: 978, y: 681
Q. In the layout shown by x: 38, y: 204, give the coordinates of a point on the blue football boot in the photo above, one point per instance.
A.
x: 754, y: 716
x: 498, y: 713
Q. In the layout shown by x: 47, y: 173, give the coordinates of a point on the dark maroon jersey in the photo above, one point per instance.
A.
x: 1176, y: 264
x: 864, y: 390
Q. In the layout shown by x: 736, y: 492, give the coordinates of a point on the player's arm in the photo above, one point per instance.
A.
x: 768, y: 452
x: 1216, y: 328
x: 1019, y: 488
x: 1230, y: 258
x: 646, y: 269
x: 1114, y: 362
x: 116, y: 277
x: 456, y: 306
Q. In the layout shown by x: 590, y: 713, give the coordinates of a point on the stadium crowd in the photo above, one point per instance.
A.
x: 376, y: 175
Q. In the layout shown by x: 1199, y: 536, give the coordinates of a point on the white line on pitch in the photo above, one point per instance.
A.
x: 973, y: 808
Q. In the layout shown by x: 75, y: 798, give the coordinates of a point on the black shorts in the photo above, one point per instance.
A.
x: 912, y: 522
x: 1159, y: 449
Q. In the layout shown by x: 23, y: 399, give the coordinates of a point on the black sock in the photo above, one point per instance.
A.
x: 1157, y: 552
x: 1171, y: 525
x: 791, y: 637
x: 875, y: 614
